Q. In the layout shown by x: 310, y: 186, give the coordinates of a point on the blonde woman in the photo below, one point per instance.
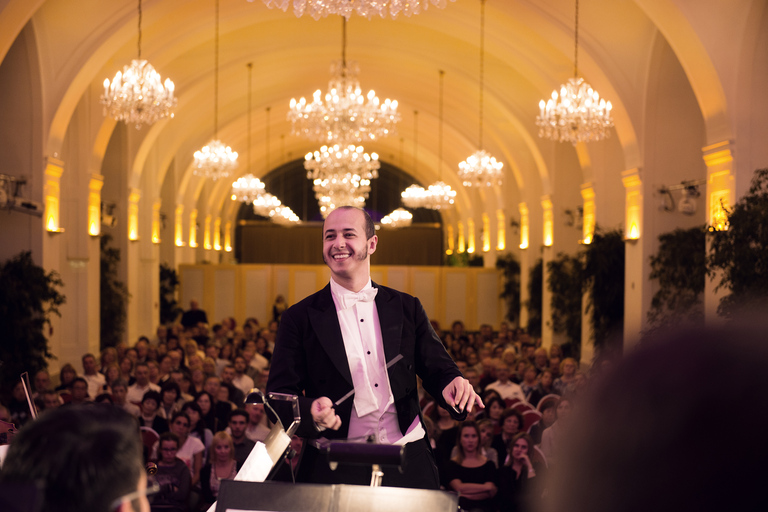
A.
x: 221, y: 466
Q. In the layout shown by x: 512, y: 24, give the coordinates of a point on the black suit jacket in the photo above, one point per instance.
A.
x: 310, y: 360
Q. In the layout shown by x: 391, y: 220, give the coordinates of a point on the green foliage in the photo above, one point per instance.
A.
x: 169, y: 306
x: 604, y: 284
x: 114, y: 296
x: 476, y: 261
x: 535, y: 298
x: 511, y: 293
x: 28, y: 298
x: 565, y: 282
x: 457, y: 259
x: 679, y: 266
x: 740, y: 253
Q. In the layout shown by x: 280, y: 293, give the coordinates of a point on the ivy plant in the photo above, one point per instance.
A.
x: 510, y: 268
x: 535, y: 298
x: 565, y: 281
x: 604, y: 284
x: 169, y: 306
x: 114, y: 296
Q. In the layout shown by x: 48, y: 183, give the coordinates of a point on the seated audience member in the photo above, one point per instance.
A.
x: 552, y: 437
x: 79, y: 392
x: 221, y: 408
x: 119, y: 393
x: 554, y: 366
x: 111, y: 374
x: 543, y: 388
x: 197, y: 380
x: 238, y: 421
x: 108, y: 357
x: 242, y: 380
x: 93, y: 378
x: 529, y: 383
x: 470, y: 474
x: 221, y: 466
x: 540, y: 359
x: 82, y: 458
x: 517, y: 489
x: 548, y: 410
x: 136, y: 391
x: 488, y: 373
x: 149, y: 417
x: 190, y: 449
x: 197, y: 426
x: 181, y: 378
x: 445, y: 431
x: 193, y: 316
x: 511, y: 422
x: 258, y: 426
x: 50, y: 400
x: 170, y: 400
x: 235, y: 394
x: 486, y: 437
x: 67, y: 376
x: 566, y: 383
x: 41, y: 383
x: 641, y: 441
x: 205, y: 402
x: 172, y: 476
x: 474, y: 378
x: 505, y: 387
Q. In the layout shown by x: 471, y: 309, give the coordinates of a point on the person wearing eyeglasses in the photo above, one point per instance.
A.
x: 67, y: 446
x: 172, y: 476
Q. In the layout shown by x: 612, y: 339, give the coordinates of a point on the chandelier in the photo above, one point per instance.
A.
x: 247, y: 188
x: 577, y: 114
x: 481, y: 169
x: 414, y: 196
x: 216, y: 159
x: 368, y: 8
x: 284, y: 216
x: 138, y: 95
x: 440, y: 196
x: 399, y: 218
x: 344, y: 114
x: 264, y: 204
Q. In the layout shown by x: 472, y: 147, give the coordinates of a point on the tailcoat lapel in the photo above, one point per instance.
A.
x: 325, y: 324
x: 391, y: 320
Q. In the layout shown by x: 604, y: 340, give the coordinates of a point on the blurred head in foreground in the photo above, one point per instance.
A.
x: 677, y: 425
x: 82, y: 458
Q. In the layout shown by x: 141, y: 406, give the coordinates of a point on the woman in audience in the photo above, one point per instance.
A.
x: 528, y: 383
x: 471, y: 474
x: 190, y: 448
x: 108, y: 356
x: 149, y: 417
x: 197, y: 376
x: 221, y: 466
x: 548, y: 410
x: 197, y: 426
x: 511, y: 423
x: 126, y: 370
x: 552, y: 436
x: 486, y: 436
x: 209, y: 367
x: 67, y: 375
x: 205, y: 402
x: 515, y: 477
x: 169, y: 399
x: 445, y: 434
x: 494, y: 406
x: 111, y: 374
x: 566, y: 383
x: 173, y: 476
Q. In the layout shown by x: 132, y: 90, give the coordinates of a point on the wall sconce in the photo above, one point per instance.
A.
x: 486, y: 234
x: 217, y: 234
x: 546, y: 204
x: 588, y: 214
x: 178, y: 226
x: 461, y: 246
x: 94, y: 205
x: 470, y: 236
x: 157, y: 219
x: 228, y: 237
x: 449, y: 236
x: 523, y: 225
x: 193, y: 228
x: 501, y: 234
x: 207, y: 234
x: 133, y: 215
x: 633, y: 215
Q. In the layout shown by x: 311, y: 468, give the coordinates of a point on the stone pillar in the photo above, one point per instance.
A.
x: 588, y: 233
x: 547, y: 334
x: 634, y: 257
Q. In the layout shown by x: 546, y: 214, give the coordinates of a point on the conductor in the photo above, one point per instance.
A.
x: 352, y: 353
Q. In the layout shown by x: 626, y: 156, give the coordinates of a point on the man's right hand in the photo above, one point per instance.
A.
x: 324, y: 415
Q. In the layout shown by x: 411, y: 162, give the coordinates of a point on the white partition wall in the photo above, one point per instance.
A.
x: 447, y: 293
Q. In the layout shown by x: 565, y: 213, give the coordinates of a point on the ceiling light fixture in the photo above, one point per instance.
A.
x: 481, y: 169
x: 577, y: 114
x: 368, y: 8
x: 137, y: 95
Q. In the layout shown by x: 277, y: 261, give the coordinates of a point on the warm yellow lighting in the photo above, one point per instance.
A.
x: 470, y: 236
x: 228, y: 237
x: 217, y: 234
x: 156, y: 221
x: 486, y: 233
x: 94, y: 204
x: 634, y: 204
x: 461, y: 244
x: 133, y: 214
x: 178, y: 226
x: 588, y: 218
x: 718, y: 215
x: 634, y: 232
x: 449, y: 234
x: 207, y: 234
x: 501, y: 233
x: 193, y: 228
x: 524, y: 226
x: 52, y: 193
x: 549, y: 227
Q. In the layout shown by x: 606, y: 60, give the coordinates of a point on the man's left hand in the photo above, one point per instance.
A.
x: 460, y: 394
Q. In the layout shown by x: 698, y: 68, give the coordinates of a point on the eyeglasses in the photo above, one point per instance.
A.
x: 148, y: 492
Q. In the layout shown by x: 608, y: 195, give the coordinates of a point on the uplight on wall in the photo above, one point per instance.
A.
x: 217, y: 234
x: 193, y: 228
x: 546, y: 205
x: 461, y: 238
x: 228, y: 237
x: 523, y: 225
x: 588, y: 219
x: 178, y: 226
x: 449, y: 232
x: 207, y: 234
x: 94, y: 205
x: 470, y: 236
x: 634, y: 204
x: 718, y: 206
x: 133, y: 215
x: 486, y: 233
x: 52, y: 193
x: 501, y: 234
x: 156, y: 221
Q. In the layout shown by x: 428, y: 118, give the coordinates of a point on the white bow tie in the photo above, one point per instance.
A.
x: 348, y: 300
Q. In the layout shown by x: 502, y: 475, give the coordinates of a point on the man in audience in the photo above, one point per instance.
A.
x: 505, y: 387
x: 540, y: 359
x: 236, y: 395
x: 193, y: 316
x: 221, y: 409
x: 42, y: 383
x: 119, y: 394
x: 243, y: 382
x: 142, y: 349
x: 181, y: 378
x: 474, y: 378
x: 50, y: 399
x: 238, y: 421
x: 80, y: 392
x: 80, y: 459
x: 94, y: 379
x: 257, y: 429
x: 142, y: 385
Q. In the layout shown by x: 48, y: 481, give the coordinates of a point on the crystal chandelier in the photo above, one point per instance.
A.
x: 414, y: 196
x: 247, y: 188
x: 399, y: 218
x: 216, y: 159
x: 344, y: 115
x: 481, y: 169
x: 579, y: 115
x: 440, y: 196
x: 368, y: 8
x: 284, y: 216
x: 138, y: 95
x: 265, y: 204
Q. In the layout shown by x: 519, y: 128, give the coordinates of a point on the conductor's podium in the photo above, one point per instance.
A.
x: 238, y: 496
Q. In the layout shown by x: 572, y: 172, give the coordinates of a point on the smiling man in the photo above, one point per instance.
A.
x: 352, y: 353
